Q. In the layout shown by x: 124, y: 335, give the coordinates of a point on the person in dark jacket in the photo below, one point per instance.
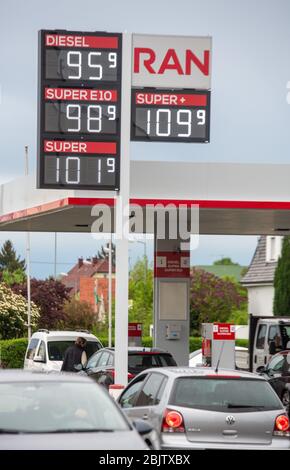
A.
x: 74, y: 355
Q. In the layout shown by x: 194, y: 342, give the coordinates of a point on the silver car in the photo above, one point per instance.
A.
x: 199, y: 408
x: 64, y: 411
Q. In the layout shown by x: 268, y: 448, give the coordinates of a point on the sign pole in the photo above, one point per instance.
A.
x: 122, y: 219
x: 28, y: 261
x: 110, y: 292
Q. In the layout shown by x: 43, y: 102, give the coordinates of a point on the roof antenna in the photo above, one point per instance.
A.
x: 219, y: 359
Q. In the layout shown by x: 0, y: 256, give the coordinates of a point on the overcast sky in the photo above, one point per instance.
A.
x: 250, y: 117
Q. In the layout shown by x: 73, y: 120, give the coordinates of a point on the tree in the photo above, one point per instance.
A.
x: 13, y: 314
x: 212, y: 298
x: 15, y: 277
x: 9, y: 261
x: 141, y: 295
x: 50, y: 296
x: 103, y: 254
x: 281, y: 305
x: 225, y: 262
x: 78, y: 314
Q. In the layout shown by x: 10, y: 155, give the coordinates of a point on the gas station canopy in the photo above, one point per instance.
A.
x: 233, y: 199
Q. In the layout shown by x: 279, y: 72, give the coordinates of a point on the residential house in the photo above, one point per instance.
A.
x: 88, y: 281
x: 259, y: 279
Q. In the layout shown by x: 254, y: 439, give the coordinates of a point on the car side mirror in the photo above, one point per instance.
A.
x: 38, y: 359
x: 261, y: 370
x: 142, y: 427
x: 78, y: 367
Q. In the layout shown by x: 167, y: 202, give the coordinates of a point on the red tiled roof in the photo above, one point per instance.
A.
x: 87, y: 268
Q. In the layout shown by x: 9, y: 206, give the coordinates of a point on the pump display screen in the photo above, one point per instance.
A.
x: 79, y: 110
x: 170, y: 115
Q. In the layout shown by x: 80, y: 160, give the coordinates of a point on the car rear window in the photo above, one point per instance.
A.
x: 56, y: 349
x: 224, y: 394
x: 141, y: 361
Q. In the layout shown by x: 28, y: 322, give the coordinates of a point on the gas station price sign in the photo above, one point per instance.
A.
x: 79, y: 110
x: 170, y: 115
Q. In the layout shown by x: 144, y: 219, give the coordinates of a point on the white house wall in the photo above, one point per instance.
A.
x: 261, y: 300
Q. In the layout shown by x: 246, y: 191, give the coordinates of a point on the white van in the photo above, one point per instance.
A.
x: 268, y: 335
x: 46, y: 348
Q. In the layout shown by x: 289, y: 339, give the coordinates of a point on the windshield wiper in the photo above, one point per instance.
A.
x: 60, y: 431
x: 10, y: 431
x: 237, y: 405
x: 54, y: 431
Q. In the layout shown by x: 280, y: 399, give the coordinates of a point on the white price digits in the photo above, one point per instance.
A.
x: 110, y: 168
x: 184, y: 119
x: 94, y: 117
x: 74, y: 60
x: 201, y: 116
x: 74, y: 177
x: 163, y: 122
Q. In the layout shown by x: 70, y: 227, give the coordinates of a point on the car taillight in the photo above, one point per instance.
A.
x: 172, y: 421
x: 282, y: 426
x: 112, y: 372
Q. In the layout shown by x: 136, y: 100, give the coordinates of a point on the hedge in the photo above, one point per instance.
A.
x: 12, y: 353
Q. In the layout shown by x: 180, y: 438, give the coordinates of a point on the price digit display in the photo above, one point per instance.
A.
x: 170, y: 115
x: 79, y: 110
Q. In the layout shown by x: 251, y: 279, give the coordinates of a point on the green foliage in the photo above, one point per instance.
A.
x: 244, y: 343
x: 50, y: 296
x: 12, y: 353
x: 9, y: 261
x: 13, y: 314
x: 141, y: 294
x: 194, y: 343
x: 225, y: 262
x: 77, y: 314
x: 213, y: 299
x: 16, y: 277
x: 282, y: 281
x: 147, y: 341
x: 239, y: 316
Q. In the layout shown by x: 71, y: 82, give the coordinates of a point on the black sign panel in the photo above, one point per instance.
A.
x: 79, y: 110
x: 170, y: 115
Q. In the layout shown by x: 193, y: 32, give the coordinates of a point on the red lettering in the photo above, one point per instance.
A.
x: 147, y: 62
x: 49, y: 40
x: 191, y: 57
x: 170, y: 55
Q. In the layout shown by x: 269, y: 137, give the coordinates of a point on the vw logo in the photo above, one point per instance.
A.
x: 230, y: 419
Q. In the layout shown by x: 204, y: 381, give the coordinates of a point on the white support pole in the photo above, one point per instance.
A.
x: 28, y: 262
x: 122, y: 218
x: 110, y: 292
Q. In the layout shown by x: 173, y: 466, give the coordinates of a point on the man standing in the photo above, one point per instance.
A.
x: 74, y: 355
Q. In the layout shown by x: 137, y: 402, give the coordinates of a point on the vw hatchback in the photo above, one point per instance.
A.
x: 204, y: 409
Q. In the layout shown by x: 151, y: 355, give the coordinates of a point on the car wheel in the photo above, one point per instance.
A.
x: 286, y: 400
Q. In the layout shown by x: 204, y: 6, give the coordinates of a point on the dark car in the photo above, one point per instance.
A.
x: 277, y: 372
x: 100, y: 366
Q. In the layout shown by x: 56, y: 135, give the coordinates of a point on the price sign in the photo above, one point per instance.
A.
x: 170, y: 115
x: 79, y: 110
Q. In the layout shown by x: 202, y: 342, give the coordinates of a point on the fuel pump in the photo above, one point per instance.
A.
x: 218, y: 345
